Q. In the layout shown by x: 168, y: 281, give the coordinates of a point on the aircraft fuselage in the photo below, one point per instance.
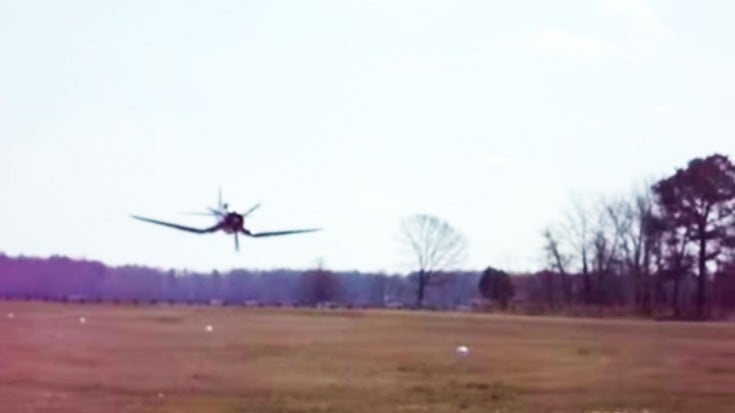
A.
x: 232, y: 223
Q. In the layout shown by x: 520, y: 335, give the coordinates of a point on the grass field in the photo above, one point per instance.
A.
x: 161, y: 359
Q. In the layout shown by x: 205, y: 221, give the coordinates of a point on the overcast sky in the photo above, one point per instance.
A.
x: 346, y: 115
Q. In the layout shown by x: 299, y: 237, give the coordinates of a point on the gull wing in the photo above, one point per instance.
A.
x: 177, y: 226
x: 249, y: 211
x: 277, y: 233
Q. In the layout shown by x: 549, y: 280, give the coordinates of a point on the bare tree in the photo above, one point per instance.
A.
x: 607, y: 251
x: 588, y: 243
x: 579, y: 235
x: 559, y: 262
x: 637, y: 222
x: 436, y: 246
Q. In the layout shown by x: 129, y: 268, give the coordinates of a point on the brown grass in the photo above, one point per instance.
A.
x: 161, y: 359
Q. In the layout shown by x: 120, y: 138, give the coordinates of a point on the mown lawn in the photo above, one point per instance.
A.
x: 161, y: 359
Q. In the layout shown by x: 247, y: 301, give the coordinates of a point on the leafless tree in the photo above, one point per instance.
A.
x: 436, y: 246
x: 588, y: 243
x: 636, y: 220
x: 579, y: 236
x: 607, y: 250
x: 558, y: 261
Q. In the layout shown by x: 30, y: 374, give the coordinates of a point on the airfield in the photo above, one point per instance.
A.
x: 106, y: 358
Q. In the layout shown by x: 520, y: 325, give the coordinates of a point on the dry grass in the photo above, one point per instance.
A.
x: 161, y: 359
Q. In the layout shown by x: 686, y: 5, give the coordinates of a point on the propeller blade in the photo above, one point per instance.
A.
x: 277, y: 233
x: 237, y: 243
x: 217, y: 212
x: 177, y: 226
x: 252, y: 208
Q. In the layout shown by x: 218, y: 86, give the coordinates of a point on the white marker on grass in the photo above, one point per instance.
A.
x: 462, y: 351
x: 209, y: 328
x: 82, y: 320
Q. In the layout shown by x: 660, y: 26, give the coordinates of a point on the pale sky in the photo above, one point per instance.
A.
x: 346, y: 115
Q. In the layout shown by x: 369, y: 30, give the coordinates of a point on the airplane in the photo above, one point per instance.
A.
x: 228, y: 221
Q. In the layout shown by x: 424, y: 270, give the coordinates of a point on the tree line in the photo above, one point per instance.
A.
x: 665, y: 250
x: 61, y: 278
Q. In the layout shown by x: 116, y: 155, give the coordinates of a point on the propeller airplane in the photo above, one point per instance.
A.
x: 230, y: 222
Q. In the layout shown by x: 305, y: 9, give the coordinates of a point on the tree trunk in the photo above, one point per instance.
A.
x: 585, y: 279
x: 566, y: 291
x: 675, y: 297
x: 601, y: 296
x: 702, y: 280
x: 550, y: 289
x: 421, y: 289
x: 647, y: 281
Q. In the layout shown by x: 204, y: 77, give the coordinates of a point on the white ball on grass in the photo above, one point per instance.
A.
x: 462, y: 351
x: 209, y: 328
